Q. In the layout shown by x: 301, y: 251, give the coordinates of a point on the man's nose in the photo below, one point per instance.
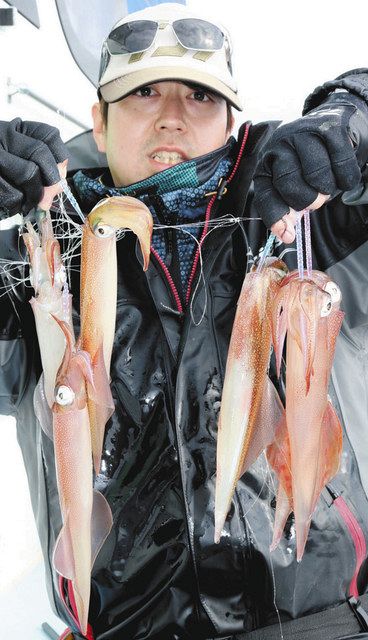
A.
x: 171, y: 116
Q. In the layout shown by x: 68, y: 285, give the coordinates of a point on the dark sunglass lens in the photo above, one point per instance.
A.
x: 132, y: 37
x: 105, y: 58
x: 198, y: 34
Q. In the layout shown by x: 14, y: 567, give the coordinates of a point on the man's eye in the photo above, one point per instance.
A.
x: 145, y: 92
x: 200, y: 96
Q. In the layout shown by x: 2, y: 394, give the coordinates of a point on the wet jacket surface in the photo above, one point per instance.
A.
x: 160, y: 575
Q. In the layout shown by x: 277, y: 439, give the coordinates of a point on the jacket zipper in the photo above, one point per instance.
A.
x: 160, y: 210
x: 356, y: 534
x: 169, y: 279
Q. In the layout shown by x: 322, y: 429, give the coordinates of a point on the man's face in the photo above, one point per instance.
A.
x: 160, y: 125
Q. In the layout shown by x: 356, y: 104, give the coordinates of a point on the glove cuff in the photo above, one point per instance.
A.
x: 355, y: 82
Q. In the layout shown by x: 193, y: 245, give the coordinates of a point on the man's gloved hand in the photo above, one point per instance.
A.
x: 311, y: 159
x: 32, y: 158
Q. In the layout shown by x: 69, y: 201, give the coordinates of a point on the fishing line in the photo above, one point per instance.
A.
x: 265, y: 252
x: 224, y: 221
x: 64, y: 185
x: 65, y: 218
x: 73, y: 233
x: 201, y: 276
x: 13, y: 272
x: 264, y: 484
x: 10, y: 280
x: 269, y: 474
x: 308, y: 242
x: 287, y: 250
x: 69, y: 231
x: 226, y: 218
x: 299, y: 244
x: 218, y: 223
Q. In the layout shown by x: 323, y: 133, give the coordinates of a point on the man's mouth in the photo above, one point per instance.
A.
x: 168, y: 157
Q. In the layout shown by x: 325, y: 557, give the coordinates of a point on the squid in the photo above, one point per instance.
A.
x: 250, y: 406
x: 305, y: 453
x: 48, y: 278
x: 99, y: 296
x: 86, y: 515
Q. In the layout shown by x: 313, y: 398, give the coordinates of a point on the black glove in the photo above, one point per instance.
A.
x: 323, y: 152
x: 29, y: 153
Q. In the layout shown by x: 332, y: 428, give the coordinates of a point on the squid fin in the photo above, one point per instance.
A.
x: 83, y: 361
x: 330, y: 449
x: 279, y: 326
x: 70, y: 343
x: 63, y: 556
x: 100, y: 406
x: 100, y: 391
x: 42, y: 410
x: 269, y: 414
x: 278, y: 455
x: 328, y: 464
x: 101, y: 523
x: 283, y: 510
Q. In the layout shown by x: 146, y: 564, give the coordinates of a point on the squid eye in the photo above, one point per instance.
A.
x: 64, y: 395
x: 327, y: 307
x: 333, y: 290
x: 103, y: 230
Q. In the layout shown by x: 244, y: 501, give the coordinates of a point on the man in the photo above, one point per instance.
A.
x: 164, y: 120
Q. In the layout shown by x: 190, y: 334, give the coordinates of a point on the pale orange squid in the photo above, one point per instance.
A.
x: 307, y: 447
x: 99, y: 294
x: 250, y: 406
x: 86, y: 515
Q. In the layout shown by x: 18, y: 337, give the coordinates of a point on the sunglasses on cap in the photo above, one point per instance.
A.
x: 139, y: 35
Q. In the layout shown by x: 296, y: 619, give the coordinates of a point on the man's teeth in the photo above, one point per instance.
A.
x: 167, y: 157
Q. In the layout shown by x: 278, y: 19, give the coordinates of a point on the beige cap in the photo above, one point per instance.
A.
x: 167, y: 59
